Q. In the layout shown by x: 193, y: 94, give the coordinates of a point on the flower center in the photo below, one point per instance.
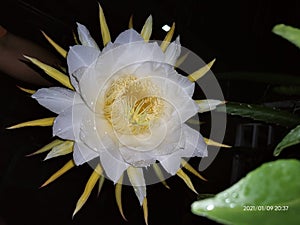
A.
x: 131, y: 105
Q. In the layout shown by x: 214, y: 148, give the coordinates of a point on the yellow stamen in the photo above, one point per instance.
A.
x: 63, y: 149
x: 147, y: 29
x: 186, y: 165
x: 145, y: 210
x: 159, y: 174
x: 69, y: 165
x: 47, y: 147
x: 59, y: 49
x: 214, y: 143
x: 100, y: 184
x: 29, y: 91
x: 40, y: 122
x: 186, y: 179
x: 181, y: 60
x: 126, y: 110
x: 103, y: 26
x: 201, y: 72
x: 88, y: 188
x: 168, y: 38
x: 130, y: 24
x: 118, y: 194
x: 54, y: 73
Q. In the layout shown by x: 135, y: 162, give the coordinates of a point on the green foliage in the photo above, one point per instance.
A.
x: 292, y: 138
x: 261, y: 113
x: 269, y: 195
x: 292, y: 34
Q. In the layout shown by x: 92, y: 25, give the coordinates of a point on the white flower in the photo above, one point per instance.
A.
x: 129, y: 106
x: 124, y: 107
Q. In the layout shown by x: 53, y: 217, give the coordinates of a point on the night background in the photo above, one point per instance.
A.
x: 237, y: 33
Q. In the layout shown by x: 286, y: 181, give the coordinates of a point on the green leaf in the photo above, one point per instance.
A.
x: 290, y: 33
x: 261, y: 113
x: 269, y: 195
x: 292, y: 138
x: 287, y: 90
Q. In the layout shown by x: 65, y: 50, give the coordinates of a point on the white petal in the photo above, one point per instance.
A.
x: 137, y: 158
x: 173, y: 52
x: 128, y: 36
x: 182, y: 81
x: 208, y: 104
x: 81, y: 56
x: 145, y: 142
x: 194, y: 145
x: 56, y: 99
x: 183, y: 106
x: 67, y: 123
x: 108, y: 47
x: 97, y: 133
x: 85, y: 36
x: 171, y: 163
x: 112, y: 63
x: 82, y: 153
x: 128, y: 54
x: 113, y: 165
x: 136, y: 178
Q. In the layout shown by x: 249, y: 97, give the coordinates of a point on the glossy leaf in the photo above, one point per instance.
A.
x: 292, y: 138
x: 289, y: 33
x: 267, y: 195
x: 261, y: 113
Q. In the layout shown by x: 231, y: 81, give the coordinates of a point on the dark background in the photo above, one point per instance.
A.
x: 236, y: 33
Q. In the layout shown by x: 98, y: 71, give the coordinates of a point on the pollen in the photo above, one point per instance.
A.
x: 132, y: 105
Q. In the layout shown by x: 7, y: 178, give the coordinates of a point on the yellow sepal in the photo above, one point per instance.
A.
x: 201, y: 72
x: 100, y: 184
x: 130, y: 24
x: 40, y: 122
x: 59, y: 49
x: 62, y: 149
x: 103, y: 26
x: 181, y: 60
x: 52, y: 72
x: 118, y: 194
x: 214, y: 143
x: 168, y: 38
x: 145, y: 210
x: 187, y: 166
x: 69, y: 165
x: 47, y: 147
x: 186, y: 179
x: 29, y: 91
x: 159, y: 174
x: 147, y: 29
x: 88, y: 188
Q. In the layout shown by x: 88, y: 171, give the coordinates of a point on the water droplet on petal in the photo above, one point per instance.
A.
x: 227, y: 200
